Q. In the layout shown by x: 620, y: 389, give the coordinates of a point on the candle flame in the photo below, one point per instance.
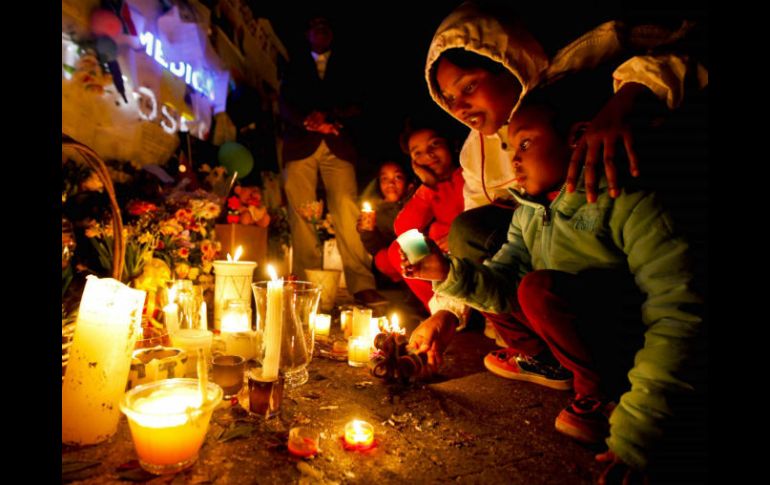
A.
x: 367, y: 207
x: 238, y: 253
x: 272, y: 273
x: 394, y: 325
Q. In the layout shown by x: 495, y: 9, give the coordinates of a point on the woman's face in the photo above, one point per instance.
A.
x: 429, y: 151
x: 392, y: 182
x: 477, y: 97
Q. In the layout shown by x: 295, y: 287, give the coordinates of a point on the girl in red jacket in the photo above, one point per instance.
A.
x: 437, y: 201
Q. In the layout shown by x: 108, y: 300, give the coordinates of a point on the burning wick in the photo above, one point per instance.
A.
x: 359, y: 435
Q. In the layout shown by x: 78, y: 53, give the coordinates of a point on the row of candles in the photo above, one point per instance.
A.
x: 166, y: 411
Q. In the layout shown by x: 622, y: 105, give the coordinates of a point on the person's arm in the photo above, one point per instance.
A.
x: 659, y: 261
x: 490, y: 286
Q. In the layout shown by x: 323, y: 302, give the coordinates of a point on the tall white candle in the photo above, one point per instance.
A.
x: 274, y: 320
x: 109, y: 321
x: 171, y: 317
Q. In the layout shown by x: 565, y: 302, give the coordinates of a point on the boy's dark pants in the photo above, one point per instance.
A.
x: 590, y: 321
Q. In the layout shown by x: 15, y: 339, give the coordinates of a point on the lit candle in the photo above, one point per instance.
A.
x: 394, y: 325
x: 236, y: 330
x: 109, y: 322
x: 192, y: 339
x: 359, y: 435
x: 346, y: 322
x: 168, y: 422
x: 233, y: 282
x: 361, y: 320
x: 303, y: 442
x: 322, y: 324
x: 273, y: 322
x: 359, y: 349
x: 375, y: 327
x: 368, y: 217
x: 414, y: 245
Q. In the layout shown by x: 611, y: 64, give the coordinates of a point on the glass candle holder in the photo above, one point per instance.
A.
x: 168, y: 422
x: 228, y: 373
x: 303, y: 442
x: 323, y: 323
x: 414, y: 245
x: 359, y: 435
x: 368, y: 217
x: 359, y: 349
x: 346, y: 320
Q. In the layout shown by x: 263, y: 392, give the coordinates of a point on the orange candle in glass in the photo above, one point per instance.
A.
x: 168, y: 422
x: 359, y: 435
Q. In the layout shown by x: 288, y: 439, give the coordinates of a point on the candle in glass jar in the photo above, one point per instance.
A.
x: 346, y: 322
x: 368, y: 217
x: 322, y: 324
x: 168, y: 422
x: 233, y: 282
x: 303, y: 442
x: 273, y: 323
x: 359, y: 435
x: 359, y: 349
x: 413, y: 244
x: 361, y: 320
x: 108, y: 325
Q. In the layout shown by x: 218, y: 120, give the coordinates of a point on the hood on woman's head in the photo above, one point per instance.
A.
x: 496, y: 36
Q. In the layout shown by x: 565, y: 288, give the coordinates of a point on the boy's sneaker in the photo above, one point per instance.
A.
x: 586, y: 419
x: 512, y: 365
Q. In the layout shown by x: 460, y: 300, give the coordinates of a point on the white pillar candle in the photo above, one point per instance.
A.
x: 322, y: 324
x: 361, y: 321
x: 273, y: 324
x: 233, y: 282
x: 109, y: 322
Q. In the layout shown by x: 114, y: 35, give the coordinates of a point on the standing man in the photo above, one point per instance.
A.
x: 318, y: 105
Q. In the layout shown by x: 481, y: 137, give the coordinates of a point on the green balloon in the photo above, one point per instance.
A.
x: 235, y: 158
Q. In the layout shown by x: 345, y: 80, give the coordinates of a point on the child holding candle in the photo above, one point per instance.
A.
x: 440, y: 197
x: 393, y: 185
x: 576, y: 274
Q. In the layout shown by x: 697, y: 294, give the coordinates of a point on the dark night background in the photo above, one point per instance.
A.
x: 390, y: 42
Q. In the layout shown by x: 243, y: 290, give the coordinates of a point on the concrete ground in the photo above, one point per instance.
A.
x: 465, y: 426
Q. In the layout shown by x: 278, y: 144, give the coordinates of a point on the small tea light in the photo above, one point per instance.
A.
x: 322, y: 324
x: 303, y: 442
x: 368, y: 217
x: 359, y: 349
x: 359, y: 435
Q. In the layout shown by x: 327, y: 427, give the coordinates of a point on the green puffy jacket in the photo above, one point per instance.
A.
x: 632, y: 233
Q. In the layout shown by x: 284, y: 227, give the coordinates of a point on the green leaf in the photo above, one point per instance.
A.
x: 242, y: 431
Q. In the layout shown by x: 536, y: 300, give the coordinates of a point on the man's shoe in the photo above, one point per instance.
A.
x: 369, y: 297
x: 586, y: 419
x: 512, y: 365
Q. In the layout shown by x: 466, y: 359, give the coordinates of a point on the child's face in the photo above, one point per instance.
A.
x: 430, y: 152
x: 392, y: 182
x: 476, y: 97
x: 540, y: 155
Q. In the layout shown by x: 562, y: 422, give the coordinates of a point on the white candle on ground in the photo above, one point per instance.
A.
x: 322, y: 325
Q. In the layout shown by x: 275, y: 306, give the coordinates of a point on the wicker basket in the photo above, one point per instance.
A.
x: 95, y: 163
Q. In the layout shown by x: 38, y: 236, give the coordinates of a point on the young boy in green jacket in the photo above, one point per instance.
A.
x: 587, y: 279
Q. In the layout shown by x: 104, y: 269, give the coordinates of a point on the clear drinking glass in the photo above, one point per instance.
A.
x: 300, y: 305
